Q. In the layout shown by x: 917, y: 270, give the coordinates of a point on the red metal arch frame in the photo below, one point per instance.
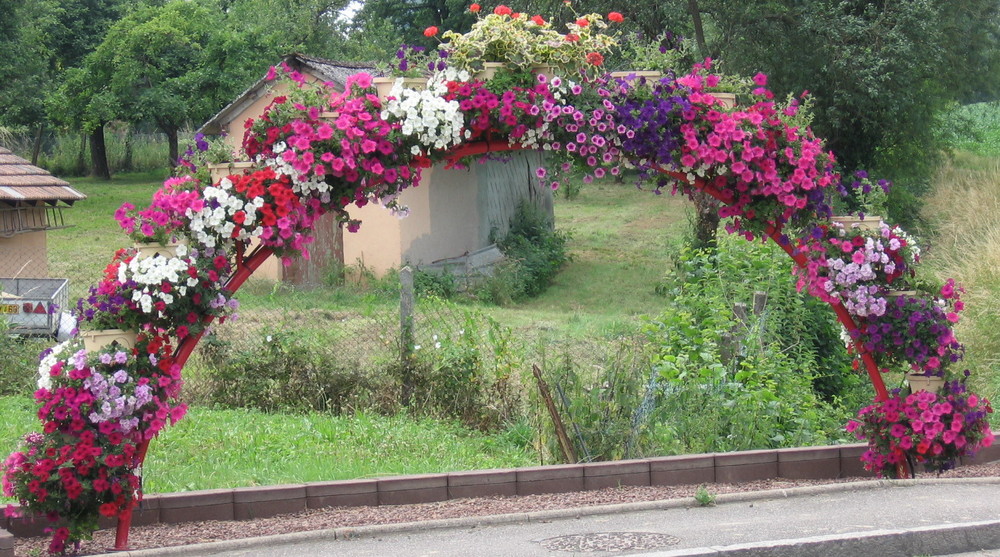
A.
x: 247, y: 263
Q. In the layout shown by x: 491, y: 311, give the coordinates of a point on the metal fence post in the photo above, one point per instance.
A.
x: 406, y: 332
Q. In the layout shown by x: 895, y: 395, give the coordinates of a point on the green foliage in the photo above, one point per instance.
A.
x: 404, y: 22
x: 609, y: 408
x: 881, y: 73
x: 535, y: 252
x: 704, y: 497
x: 464, y: 366
x: 781, y: 378
x: 18, y: 362
x: 289, y: 372
x: 66, y: 156
x: 974, y: 128
x: 441, y: 284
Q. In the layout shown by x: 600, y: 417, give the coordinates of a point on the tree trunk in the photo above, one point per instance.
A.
x: 99, y: 154
x: 38, y: 144
x: 699, y: 29
x: 172, y: 143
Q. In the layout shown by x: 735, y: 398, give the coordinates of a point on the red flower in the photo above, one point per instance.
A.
x: 430, y: 31
x: 538, y: 20
x: 109, y: 509
x: 572, y: 38
x: 475, y: 8
x: 502, y: 10
x: 595, y: 59
x: 582, y: 22
x: 615, y: 17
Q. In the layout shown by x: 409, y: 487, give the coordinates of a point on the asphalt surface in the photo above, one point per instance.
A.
x: 909, y: 518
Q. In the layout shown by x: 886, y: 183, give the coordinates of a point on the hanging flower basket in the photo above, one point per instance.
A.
x: 870, y: 222
x: 153, y: 249
x: 901, y: 293
x: 726, y: 100
x: 384, y: 85
x: 223, y: 169
x: 94, y: 340
x: 489, y: 70
x: 921, y: 382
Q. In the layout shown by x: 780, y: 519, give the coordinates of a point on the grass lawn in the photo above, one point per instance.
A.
x: 212, y: 449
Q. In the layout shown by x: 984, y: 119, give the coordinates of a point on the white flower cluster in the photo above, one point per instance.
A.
x: 214, y: 224
x: 426, y: 116
x: 45, y: 365
x: 438, y: 83
x: 149, y: 274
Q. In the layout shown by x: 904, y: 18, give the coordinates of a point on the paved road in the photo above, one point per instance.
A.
x: 905, y: 518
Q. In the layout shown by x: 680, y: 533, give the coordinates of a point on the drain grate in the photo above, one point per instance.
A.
x: 608, y: 541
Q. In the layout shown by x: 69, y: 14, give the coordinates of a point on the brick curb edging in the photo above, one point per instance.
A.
x: 827, y: 462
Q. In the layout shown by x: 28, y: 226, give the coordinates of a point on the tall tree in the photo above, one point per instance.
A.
x: 156, y: 67
x: 409, y: 18
x: 880, y: 72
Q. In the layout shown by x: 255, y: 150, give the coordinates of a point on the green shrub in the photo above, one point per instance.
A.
x: 67, y: 155
x: 535, y: 252
x: 782, y: 378
x: 286, y: 371
x: 464, y: 367
x: 440, y: 284
x: 609, y: 411
x: 18, y: 362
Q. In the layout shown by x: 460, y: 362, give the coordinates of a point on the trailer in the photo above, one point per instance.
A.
x: 33, y: 306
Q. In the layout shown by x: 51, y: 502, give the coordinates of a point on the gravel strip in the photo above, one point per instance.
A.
x: 166, y: 535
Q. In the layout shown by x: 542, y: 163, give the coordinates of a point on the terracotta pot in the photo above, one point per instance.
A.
x: 921, y: 382
x: 648, y: 74
x: 97, y: 339
x: 726, y: 100
x: 489, y: 70
x: 220, y: 170
x: 548, y: 70
x: 167, y: 250
x: 870, y: 222
x: 383, y: 85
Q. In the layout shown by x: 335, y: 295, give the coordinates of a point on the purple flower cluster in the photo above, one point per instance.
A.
x: 652, y: 135
x: 915, y: 331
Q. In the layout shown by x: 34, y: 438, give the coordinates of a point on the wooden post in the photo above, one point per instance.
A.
x: 564, y: 443
x: 759, y: 302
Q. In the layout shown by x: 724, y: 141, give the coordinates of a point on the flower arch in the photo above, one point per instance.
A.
x: 319, y: 150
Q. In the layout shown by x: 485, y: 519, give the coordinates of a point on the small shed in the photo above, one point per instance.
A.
x: 31, y: 203
x: 453, y: 212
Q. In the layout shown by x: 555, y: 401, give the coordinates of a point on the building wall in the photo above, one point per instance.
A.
x: 445, y: 222
x: 24, y: 256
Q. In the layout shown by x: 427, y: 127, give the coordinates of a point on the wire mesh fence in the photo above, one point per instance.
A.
x: 368, y: 347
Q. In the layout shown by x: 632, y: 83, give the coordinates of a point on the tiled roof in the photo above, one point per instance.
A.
x: 328, y: 70
x: 21, y: 181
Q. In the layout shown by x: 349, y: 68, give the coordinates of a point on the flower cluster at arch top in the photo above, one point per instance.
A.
x: 318, y: 150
